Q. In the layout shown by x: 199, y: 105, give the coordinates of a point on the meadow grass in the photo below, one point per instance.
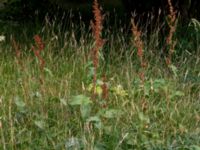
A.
x: 52, y: 106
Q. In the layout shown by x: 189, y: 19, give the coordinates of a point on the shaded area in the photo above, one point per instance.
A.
x: 28, y: 9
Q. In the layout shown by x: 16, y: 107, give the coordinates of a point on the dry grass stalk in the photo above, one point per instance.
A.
x: 17, y: 54
x: 172, y: 23
x: 99, y: 42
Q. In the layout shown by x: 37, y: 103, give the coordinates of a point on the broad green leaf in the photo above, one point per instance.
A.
x: 118, y: 90
x: 96, y: 121
x: 36, y: 94
x: 73, y: 143
x: 98, y: 87
x: 143, y: 118
x: 40, y: 124
x: 63, y: 101
x: 85, y: 111
x: 19, y: 102
x: 174, y: 70
x: 80, y: 100
x: 159, y: 84
x: 112, y: 113
x: 99, y: 90
x: 179, y: 93
x: 147, y: 88
x: 195, y: 147
x: 176, y: 94
x: 90, y: 72
x: 100, y: 82
x: 100, y: 146
x: 90, y: 87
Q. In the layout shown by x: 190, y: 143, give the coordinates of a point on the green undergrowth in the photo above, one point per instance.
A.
x: 54, y: 108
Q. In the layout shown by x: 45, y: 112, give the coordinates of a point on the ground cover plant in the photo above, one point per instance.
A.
x: 99, y: 88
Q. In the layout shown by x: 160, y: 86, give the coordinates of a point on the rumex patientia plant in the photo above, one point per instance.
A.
x: 172, y: 23
x: 37, y: 49
x: 138, y: 43
x: 97, y: 27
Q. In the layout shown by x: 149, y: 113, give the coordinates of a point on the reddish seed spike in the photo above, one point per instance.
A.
x: 97, y: 30
x: 39, y: 42
x: 37, y: 51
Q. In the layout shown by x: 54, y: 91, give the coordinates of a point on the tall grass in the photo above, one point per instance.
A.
x: 161, y: 112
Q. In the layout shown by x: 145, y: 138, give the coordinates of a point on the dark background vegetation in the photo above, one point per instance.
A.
x: 28, y: 9
x: 16, y: 16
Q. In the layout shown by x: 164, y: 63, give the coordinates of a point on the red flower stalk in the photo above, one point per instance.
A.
x: 172, y: 23
x: 99, y: 42
x: 138, y: 43
x: 104, y: 88
x: 137, y: 40
x: 39, y: 43
x: 38, y: 49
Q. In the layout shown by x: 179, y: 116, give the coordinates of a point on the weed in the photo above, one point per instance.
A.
x: 99, y: 42
x: 37, y: 49
x: 138, y: 43
x: 172, y: 23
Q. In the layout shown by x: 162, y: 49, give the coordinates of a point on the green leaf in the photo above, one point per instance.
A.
x: 159, y: 84
x: 80, y: 100
x: 85, y: 111
x: 73, y: 143
x: 99, y: 146
x: 179, y: 93
x: 147, y: 88
x: 143, y: 118
x: 195, y: 147
x: 19, y: 102
x: 98, y: 87
x: 48, y: 71
x: 36, y: 94
x: 176, y: 94
x: 40, y: 124
x: 118, y: 90
x: 90, y: 72
x: 99, y: 90
x: 112, y: 113
x: 63, y: 101
x: 174, y: 70
x: 96, y: 121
